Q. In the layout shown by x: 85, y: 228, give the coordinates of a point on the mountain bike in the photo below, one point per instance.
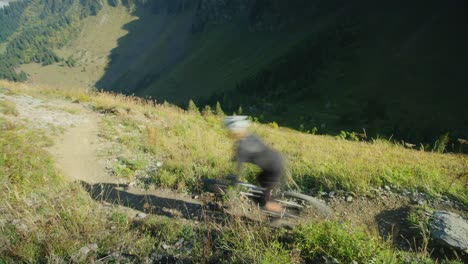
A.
x: 295, y: 204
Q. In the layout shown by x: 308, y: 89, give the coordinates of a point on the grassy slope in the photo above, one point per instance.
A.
x: 222, y: 55
x: 3, y: 48
x: 179, y: 139
x: 146, y: 50
x: 91, y: 50
x: 179, y: 65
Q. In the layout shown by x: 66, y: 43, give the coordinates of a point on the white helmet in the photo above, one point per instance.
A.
x: 236, y: 123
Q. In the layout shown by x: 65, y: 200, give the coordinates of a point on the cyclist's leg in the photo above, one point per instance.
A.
x: 269, y: 180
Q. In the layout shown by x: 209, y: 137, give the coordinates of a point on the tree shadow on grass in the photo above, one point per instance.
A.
x: 116, y: 194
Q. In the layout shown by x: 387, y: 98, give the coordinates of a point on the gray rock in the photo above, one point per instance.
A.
x: 450, y: 230
x: 93, y: 247
x: 141, y: 216
x: 331, y: 194
x: 20, y: 226
x: 165, y: 246
x: 417, y: 200
x: 179, y: 243
x: 349, y: 198
x: 85, y: 251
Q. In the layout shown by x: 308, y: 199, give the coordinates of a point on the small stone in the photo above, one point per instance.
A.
x: 20, y: 226
x: 179, y: 243
x: 323, y: 194
x: 165, y: 246
x: 418, y: 201
x: 331, y: 194
x: 349, y: 198
x: 159, y: 164
x: 141, y: 216
x: 84, y: 251
x: 387, y: 187
x: 196, y: 197
x: 93, y: 247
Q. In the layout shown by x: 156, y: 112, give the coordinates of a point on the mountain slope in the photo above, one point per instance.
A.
x: 391, y: 68
x: 39, y: 27
x: 394, y: 69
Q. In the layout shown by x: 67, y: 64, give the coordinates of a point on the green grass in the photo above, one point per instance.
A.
x: 337, y: 241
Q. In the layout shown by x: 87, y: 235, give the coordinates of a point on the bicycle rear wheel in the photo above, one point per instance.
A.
x: 298, y: 202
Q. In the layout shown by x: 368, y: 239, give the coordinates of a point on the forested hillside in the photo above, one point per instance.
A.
x: 10, y: 17
x: 392, y: 69
x: 35, y: 28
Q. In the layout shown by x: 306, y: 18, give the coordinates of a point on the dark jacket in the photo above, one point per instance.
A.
x: 252, y: 150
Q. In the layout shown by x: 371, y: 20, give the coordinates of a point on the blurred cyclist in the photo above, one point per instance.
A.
x: 249, y: 148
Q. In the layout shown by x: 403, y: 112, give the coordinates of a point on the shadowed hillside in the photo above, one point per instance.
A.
x: 392, y: 68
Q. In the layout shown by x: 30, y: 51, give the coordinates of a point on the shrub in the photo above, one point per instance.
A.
x: 347, y: 135
x: 218, y: 110
x: 441, y: 143
x: 207, y: 110
x: 273, y: 125
x: 192, y: 107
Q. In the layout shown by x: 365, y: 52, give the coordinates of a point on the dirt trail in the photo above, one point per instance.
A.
x: 76, y: 153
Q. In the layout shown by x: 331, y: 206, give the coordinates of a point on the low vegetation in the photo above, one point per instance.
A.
x: 45, y: 219
x: 8, y: 108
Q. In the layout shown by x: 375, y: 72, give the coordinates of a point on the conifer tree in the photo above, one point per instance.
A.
x: 218, y: 110
x: 192, y: 107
